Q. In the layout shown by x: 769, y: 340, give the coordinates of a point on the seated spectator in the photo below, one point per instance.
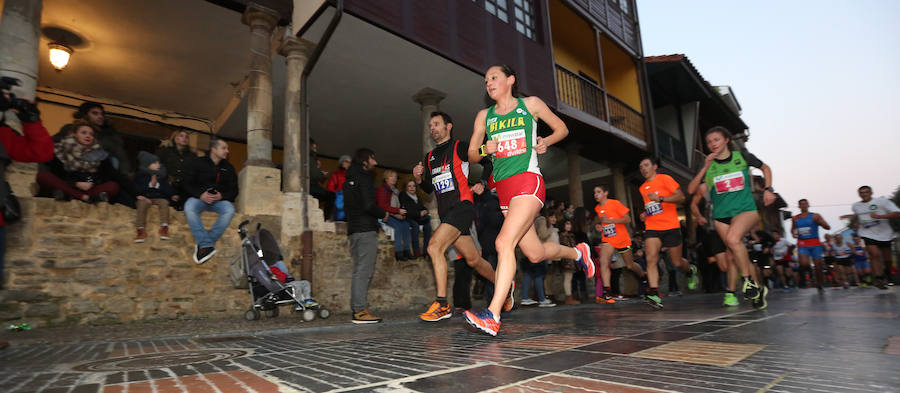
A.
x: 316, y: 177
x: 174, y: 153
x: 109, y: 139
x: 152, y: 189
x: 81, y: 169
x: 211, y: 185
x: 387, y: 197
x: 418, y: 215
x: 336, y: 185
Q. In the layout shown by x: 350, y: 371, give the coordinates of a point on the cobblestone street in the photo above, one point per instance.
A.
x: 839, y: 341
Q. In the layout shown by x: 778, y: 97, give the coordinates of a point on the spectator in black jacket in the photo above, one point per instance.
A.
x: 152, y: 189
x: 362, y: 227
x: 211, y: 185
x: 416, y: 215
x: 174, y: 154
x: 488, y: 220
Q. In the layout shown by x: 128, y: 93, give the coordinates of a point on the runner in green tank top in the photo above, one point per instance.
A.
x: 515, y: 134
x: 727, y: 178
x: 510, y: 127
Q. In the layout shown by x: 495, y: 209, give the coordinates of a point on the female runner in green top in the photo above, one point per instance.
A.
x: 511, y: 128
x: 726, y: 174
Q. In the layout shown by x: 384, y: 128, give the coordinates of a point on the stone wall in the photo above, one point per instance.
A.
x: 71, y: 263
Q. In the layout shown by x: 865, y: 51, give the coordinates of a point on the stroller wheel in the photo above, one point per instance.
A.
x: 251, y: 314
x: 272, y: 313
x: 309, y: 315
x: 324, y: 313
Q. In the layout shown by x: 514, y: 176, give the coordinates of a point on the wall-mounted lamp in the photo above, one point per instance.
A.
x: 59, y: 55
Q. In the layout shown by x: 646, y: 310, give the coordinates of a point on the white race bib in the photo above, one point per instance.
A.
x: 609, y: 230
x: 653, y: 208
x: 443, y: 183
x: 510, y: 143
x: 804, y: 231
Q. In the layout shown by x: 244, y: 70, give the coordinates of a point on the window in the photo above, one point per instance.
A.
x: 497, y: 8
x: 522, y: 10
x: 622, y: 5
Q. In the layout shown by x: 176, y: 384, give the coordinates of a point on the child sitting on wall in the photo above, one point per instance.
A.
x: 153, y: 188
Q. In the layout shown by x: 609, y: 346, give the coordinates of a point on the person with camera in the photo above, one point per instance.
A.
x: 22, y: 138
x: 211, y: 184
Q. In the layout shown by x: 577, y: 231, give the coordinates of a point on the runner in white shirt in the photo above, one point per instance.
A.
x: 876, y: 232
x: 782, y: 253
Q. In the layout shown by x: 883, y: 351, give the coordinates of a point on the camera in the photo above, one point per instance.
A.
x: 26, y: 111
x: 212, y: 190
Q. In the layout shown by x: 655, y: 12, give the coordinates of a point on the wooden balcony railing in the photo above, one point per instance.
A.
x: 580, y: 93
x: 584, y: 95
x: 626, y: 118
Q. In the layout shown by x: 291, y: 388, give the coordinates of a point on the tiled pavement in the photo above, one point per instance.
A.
x: 839, y: 341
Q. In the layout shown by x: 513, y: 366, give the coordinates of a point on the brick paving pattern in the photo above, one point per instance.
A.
x: 840, y: 341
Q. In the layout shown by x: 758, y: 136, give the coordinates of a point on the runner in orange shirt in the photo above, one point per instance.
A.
x: 661, y: 195
x: 613, y: 216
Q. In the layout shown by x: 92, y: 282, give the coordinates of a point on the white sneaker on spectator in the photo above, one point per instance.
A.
x: 528, y: 302
x: 546, y: 303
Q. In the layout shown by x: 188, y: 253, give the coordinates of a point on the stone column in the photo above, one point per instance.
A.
x: 20, y: 35
x: 576, y: 195
x: 259, y: 181
x: 259, y: 95
x: 428, y: 100
x: 296, y: 52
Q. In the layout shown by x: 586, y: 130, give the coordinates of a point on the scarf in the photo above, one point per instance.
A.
x: 76, y: 157
x: 413, y: 196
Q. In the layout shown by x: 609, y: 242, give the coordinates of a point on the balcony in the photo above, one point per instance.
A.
x: 585, y: 95
x: 616, y: 16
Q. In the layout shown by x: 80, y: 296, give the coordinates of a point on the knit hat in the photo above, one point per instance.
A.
x: 344, y: 157
x: 144, y: 161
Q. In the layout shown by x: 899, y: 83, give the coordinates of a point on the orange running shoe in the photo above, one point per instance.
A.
x: 436, y: 312
x: 511, y: 299
x: 483, y: 321
x: 585, y: 262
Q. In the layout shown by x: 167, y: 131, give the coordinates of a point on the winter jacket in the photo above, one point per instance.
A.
x: 383, y: 197
x: 488, y: 220
x: 413, y: 207
x: 110, y: 141
x: 337, y: 179
x: 175, y: 160
x: 201, y: 174
x: 34, y: 146
x: 359, y: 201
x: 142, y: 184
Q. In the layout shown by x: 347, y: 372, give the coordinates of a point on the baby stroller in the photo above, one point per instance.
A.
x: 268, y: 279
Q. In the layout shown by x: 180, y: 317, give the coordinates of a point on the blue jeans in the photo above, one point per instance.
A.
x: 192, y: 209
x: 426, y: 231
x: 401, y: 234
x: 533, y: 272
